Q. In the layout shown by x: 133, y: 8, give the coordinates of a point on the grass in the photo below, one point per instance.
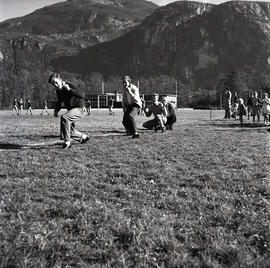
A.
x: 197, y: 196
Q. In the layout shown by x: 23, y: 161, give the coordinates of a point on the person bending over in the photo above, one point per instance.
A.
x: 73, y: 99
x: 160, y: 115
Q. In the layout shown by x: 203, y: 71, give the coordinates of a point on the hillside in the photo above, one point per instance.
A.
x: 186, y: 40
x: 27, y: 44
x: 77, y: 24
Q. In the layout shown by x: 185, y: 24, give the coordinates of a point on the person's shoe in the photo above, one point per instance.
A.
x: 85, y: 140
x: 163, y: 129
x: 66, y: 145
x: 136, y: 136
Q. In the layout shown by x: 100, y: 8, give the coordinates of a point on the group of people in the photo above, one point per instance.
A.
x: 132, y: 104
x: 18, y: 106
x: 235, y: 107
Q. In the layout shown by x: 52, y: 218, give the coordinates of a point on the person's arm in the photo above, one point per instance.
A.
x: 73, y: 90
x: 58, y: 105
x: 164, y: 110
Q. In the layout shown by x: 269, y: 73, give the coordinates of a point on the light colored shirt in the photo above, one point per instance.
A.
x: 133, y: 98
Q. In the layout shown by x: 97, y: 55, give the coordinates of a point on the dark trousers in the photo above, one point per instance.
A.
x: 129, y: 118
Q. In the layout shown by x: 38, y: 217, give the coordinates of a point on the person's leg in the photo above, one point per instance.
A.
x: 132, y: 113
x: 241, y: 119
x: 150, y: 124
x: 125, y: 122
x: 67, y: 124
x: 169, y: 123
x: 161, y: 120
x: 76, y: 134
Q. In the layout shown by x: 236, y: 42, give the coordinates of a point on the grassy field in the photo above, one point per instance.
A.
x: 197, y: 196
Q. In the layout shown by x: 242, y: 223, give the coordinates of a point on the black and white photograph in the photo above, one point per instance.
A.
x: 134, y: 133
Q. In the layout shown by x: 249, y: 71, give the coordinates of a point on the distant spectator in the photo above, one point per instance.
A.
x: 45, y: 107
x: 242, y: 110
x: 160, y: 115
x: 29, y: 107
x: 143, y: 106
x: 15, y: 107
x: 88, y: 107
x: 256, y: 107
x: 111, y: 104
x: 249, y: 104
x: 234, y: 106
x: 266, y: 108
x: 227, y: 104
x: 131, y: 104
x: 171, y: 116
x: 20, y: 103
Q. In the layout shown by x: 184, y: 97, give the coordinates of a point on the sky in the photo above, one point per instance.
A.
x: 17, y: 8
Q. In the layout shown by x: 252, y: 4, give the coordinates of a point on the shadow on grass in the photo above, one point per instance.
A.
x: 237, y: 125
x: 9, y: 146
x: 31, y: 137
x: 112, y: 131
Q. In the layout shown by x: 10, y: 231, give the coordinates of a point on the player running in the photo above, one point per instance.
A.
x: 73, y: 99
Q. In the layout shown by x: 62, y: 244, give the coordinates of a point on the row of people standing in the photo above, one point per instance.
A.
x: 18, y: 107
x: 235, y: 106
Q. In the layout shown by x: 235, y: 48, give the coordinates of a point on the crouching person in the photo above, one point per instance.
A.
x: 171, y: 116
x: 160, y: 115
x: 73, y: 99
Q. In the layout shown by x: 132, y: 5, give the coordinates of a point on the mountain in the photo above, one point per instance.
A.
x: 27, y: 44
x: 75, y: 24
x: 186, y: 40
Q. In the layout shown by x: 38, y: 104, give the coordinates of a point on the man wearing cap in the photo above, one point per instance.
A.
x: 73, y: 99
x: 131, y: 104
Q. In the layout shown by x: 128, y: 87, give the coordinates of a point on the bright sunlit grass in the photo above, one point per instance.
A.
x: 194, y: 196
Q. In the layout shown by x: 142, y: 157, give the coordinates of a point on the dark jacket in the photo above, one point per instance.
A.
x: 73, y: 98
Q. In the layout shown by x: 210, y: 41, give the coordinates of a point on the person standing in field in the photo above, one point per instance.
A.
x: 242, y: 110
x: 256, y: 107
x: 20, y: 103
x: 15, y: 107
x: 111, y: 103
x: 45, y: 107
x: 249, y: 104
x: 159, y: 111
x: 88, y: 107
x: 131, y: 104
x: 235, y: 104
x: 143, y: 106
x: 266, y: 108
x: 29, y: 107
x: 227, y: 104
x: 73, y: 99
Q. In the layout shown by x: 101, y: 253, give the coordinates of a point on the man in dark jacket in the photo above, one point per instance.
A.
x: 73, y: 99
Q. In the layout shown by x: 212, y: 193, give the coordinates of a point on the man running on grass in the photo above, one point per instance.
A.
x: 73, y: 99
